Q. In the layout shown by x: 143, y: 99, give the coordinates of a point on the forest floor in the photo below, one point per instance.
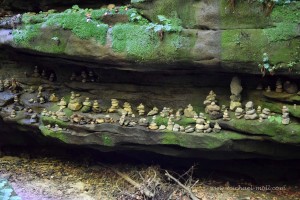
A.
x: 57, y: 178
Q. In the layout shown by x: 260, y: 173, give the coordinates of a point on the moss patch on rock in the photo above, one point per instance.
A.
x: 55, y: 134
x: 201, y: 140
x: 141, y: 44
x: 277, y: 35
x: 271, y: 128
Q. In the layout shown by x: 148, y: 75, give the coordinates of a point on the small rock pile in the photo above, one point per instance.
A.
x: 250, y: 111
x: 285, y: 115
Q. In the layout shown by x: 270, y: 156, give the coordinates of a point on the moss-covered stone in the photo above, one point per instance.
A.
x: 55, y: 134
x: 144, y: 45
x: 271, y: 128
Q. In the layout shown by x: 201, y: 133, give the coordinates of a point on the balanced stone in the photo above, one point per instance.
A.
x: 250, y: 111
x: 87, y: 105
x: 290, y: 87
x: 153, y: 125
x: 96, y: 108
x: 176, y: 128
x: 114, y: 106
x: 189, y: 129
x: 53, y: 98
x: 214, y: 111
x: 236, y: 89
x: 162, y: 127
x: 143, y: 122
x: 285, y: 115
x: 74, y: 103
x: 189, y: 111
x: 226, y: 116
x: 178, y: 114
x: 152, y: 112
x: 141, y: 109
x: 210, y: 98
x: 127, y: 108
x: 217, y: 128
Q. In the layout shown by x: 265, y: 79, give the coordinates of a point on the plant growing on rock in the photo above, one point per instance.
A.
x: 266, y: 66
x: 167, y: 25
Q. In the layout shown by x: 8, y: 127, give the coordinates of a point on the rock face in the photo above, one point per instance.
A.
x: 170, y: 50
x: 210, y: 34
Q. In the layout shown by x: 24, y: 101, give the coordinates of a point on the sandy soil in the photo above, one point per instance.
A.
x: 59, y: 179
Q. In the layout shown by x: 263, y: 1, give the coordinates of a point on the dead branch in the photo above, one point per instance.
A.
x: 144, y: 191
x: 187, y: 189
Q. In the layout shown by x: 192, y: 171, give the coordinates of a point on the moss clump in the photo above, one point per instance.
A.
x: 161, y: 120
x: 76, y: 22
x: 186, y: 11
x: 107, y: 140
x: 51, y: 121
x: 27, y: 34
x: 142, y: 44
x: 55, y: 134
x: 186, y: 121
x: 272, y: 128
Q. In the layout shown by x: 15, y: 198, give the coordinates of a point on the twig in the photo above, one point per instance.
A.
x: 144, y: 191
x: 187, y: 189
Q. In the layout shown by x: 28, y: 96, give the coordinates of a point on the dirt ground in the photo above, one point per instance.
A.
x: 52, y: 178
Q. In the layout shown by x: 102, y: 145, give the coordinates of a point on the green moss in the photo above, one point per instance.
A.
x: 186, y: 121
x: 107, y: 140
x: 161, y: 120
x: 55, y: 134
x: 283, y: 31
x: 27, y: 34
x: 244, y: 15
x: 200, y: 140
x: 76, y: 22
x: 276, y: 107
x: 51, y: 121
x: 272, y: 128
x: 174, y: 9
x: 142, y: 44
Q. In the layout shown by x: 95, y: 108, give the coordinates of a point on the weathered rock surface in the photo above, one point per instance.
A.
x: 213, y: 34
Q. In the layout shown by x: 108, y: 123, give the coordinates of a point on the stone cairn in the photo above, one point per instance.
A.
x: 152, y: 112
x: 178, y: 114
x: 285, y: 115
x: 259, y: 109
x: 165, y: 112
x: 153, y: 125
x: 226, y: 116
x: 217, y: 128
x: 141, y: 109
x: 214, y: 111
x: 279, y: 87
x: 96, y: 108
x: 189, y: 111
x: 239, y: 113
x: 264, y: 114
x: 170, y: 123
x: 62, y: 104
x: 114, y: 106
x: 87, y: 105
x: 74, y: 103
x: 250, y: 111
x: 211, y: 97
x: 53, y: 98
x: 127, y: 108
x: 236, y: 90
x: 268, y: 89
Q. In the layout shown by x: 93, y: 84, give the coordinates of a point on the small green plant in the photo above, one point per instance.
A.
x: 165, y: 25
x: 265, y: 67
